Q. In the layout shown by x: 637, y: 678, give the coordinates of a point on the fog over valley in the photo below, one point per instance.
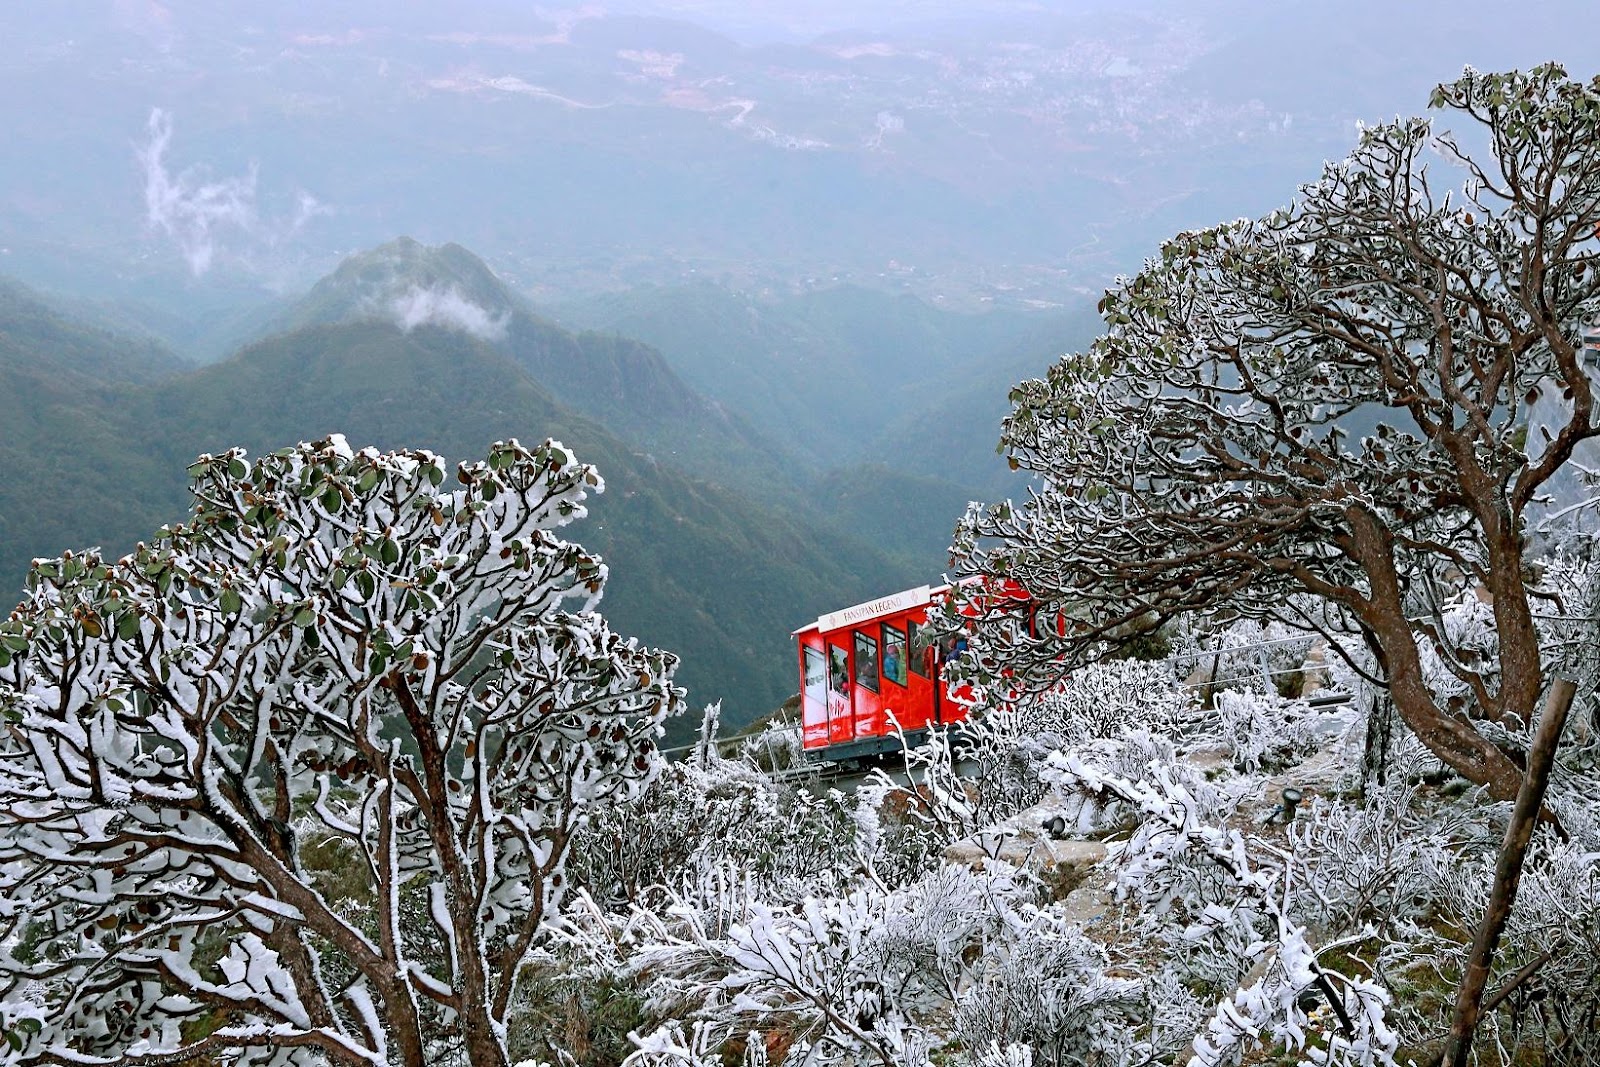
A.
x: 1016, y: 157
x: 840, y: 232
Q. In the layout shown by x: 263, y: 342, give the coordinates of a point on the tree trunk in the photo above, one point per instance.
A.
x: 1453, y: 739
x: 1462, y: 748
x: 1507, y: 874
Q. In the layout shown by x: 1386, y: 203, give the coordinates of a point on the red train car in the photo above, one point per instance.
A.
x: 863, y: 663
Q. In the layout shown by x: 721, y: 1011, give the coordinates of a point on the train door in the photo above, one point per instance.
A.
x: 841, y: 719
x: 923, y: 660
x: 814, y: 699
x: 869, y: 717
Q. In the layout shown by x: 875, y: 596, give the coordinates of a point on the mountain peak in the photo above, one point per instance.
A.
x: 412, y: 284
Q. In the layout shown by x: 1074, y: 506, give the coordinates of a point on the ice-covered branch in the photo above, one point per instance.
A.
x: 1272, y: 1006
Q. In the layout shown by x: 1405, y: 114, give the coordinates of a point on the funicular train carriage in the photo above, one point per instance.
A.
x: 863, y: 664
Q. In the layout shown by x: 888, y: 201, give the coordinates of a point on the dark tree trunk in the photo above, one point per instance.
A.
x: 1452, y: 738
x: 1380, y: 734
x: 1507, y: 875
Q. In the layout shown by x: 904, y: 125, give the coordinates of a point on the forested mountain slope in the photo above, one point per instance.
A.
x: 46, y: 334
x: 894, y: 404
x: 67, y: 457
x: 953, y: 435
x: 820, y: 371
x: 702, y: 570
x: 623, y: 383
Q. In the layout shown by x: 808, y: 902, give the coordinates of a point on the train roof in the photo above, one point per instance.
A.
x: 867, y: 610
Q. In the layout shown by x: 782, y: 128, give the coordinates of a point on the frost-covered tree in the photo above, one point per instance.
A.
x: 1337, y: 399
x: 1366, y: 397
x: 295, y: 782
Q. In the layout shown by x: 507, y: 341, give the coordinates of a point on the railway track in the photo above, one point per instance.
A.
x: 849, y: 775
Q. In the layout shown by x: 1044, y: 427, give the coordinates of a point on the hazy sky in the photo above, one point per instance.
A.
x: 975, y: 150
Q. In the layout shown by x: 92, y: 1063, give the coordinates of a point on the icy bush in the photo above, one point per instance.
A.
x: 990, y: 767
x: 1201, y: 878
x: 671, y: 1047
x: 1044, y: 988
x: 944, y: 805
x: 695, y: 817
x: 1139, y: 758
x: 1264, y: 731
x: 1375, y: 864
x: 865, y: 975
x: 776, y: 747
x: 338, y: 671
x: 1550, y: 949
x: 1107, y: 699
x: 957, y: 959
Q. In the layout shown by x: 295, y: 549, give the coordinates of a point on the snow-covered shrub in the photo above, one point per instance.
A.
x: 1571, y: 640
x: 1549, y: 954
x: 868, y: 975
x: 994, y: 1055
x: 1137, y: 757
x: 1192, y: 875
x: 989, y: 768
x: 697, y: 817
x: 1044, y: 988
x: 1468, y: 629
x: 1378, y: 863
x: 669, y: 1046
x: 335, y: 649
x: 1556, y: 920
x: 1174, y: 1011
x: 956, y: 960
x: 1264, y: 730
x: 711, y: 835
x: 776, y: 747
x: 1247, y: 655
x: 899, y: 831
x: 1108, y: 699
x: 944, y: 804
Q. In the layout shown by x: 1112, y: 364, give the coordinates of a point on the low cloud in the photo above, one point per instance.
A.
x: 434, y: 306
x: 205, y: 217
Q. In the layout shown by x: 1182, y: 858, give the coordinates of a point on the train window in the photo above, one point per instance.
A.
x: 816, y: 675
x: 921, y: 641
x: 894, y: 654
x: 838, y: 670
x: 866, y: 661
